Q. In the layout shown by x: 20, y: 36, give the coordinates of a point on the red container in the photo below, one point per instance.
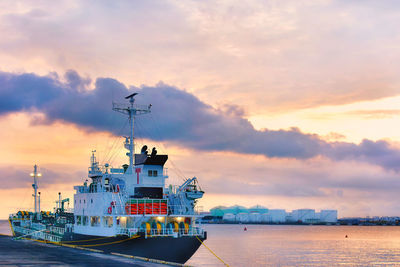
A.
x: 163, y: 208
x: 156, y: 208
x: 141, y: 208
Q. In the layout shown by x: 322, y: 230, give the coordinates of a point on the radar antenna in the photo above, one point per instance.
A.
x: 131, y: 110
x: 131, y: 95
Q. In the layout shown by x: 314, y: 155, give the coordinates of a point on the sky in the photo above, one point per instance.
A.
x: 285, y: 104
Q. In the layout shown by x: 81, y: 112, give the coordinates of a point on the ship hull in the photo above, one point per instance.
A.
x: 166, y: 248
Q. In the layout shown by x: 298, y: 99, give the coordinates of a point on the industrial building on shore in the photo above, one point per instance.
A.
x: 260, y: 214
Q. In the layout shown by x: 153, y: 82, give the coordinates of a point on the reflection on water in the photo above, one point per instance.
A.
x: 281, y: 245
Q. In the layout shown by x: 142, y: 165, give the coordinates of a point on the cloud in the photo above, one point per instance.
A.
x: 375, y: 114
x: 314, y: 178
x: 18, y: 177
x: 332, y: 136
x: 374, y: 152
x: 177, y: 116
x: 318, y: 183
x: 268, y: 54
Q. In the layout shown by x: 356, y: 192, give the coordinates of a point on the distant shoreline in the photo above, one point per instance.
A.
x: 302, y: 224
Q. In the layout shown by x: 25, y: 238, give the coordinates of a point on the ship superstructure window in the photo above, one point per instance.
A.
x: 148, y: 192
x: 94, y: 221
x: 78, y: 220
x: 130, y: 222
x: 85, y: 220
x: 107, y: 221
x: 93, y: 188
x: 153, y: 173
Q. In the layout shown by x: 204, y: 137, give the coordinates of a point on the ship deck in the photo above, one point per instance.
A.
x: 31, y: 253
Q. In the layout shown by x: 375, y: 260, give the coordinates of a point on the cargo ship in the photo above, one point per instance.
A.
x: 128, y: 210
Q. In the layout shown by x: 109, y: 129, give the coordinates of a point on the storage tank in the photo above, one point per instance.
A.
x: 304, y: 215
x: 242, y: 217
x: 266, y: 217
x: 218, y: 211
x: 258, y: 209
x: 236, y: 209
x: 328, y: 216
x: 229, y: 217
x: 289, y: 217
x: 277, y: 215
x: 255, y: 217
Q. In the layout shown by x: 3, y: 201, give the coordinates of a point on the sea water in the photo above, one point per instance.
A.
x: 292, y: 245
x: 300, y: 245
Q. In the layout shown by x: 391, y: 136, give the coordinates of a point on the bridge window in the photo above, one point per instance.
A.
x: 78, y: 220
x: 107, y: 221
x: 85, y: 220
x: 152, y: 173
x: 149, y: 192
x: 94, y: 221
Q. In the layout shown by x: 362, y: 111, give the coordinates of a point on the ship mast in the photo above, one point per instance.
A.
x: 35, y: 174
x: 131, y: 110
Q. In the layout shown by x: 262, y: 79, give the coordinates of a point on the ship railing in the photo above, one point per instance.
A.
x: 164, y: 232
x: 127, y: 231
x: 69, y: 210
x: 192, y: 231
x: 36, y: 234
x: 57, y: 230
x: 122, y: 231
x: 16, y: 218
x: 94, y: 172
x: 38, y: 226
x: 125, y: 106
x: 184, y: 210
x: 81, y: 188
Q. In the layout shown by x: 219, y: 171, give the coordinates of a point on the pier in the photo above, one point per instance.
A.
x: 32, y: 253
